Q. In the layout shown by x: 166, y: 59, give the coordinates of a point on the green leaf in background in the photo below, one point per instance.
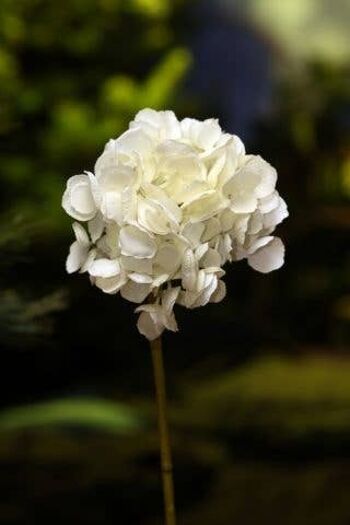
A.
x: 123, y: 96
x: 275, y: 395
x: 165, y: 78
x: 93, y: 413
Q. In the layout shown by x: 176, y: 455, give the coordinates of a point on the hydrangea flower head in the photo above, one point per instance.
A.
x: 169, y: 203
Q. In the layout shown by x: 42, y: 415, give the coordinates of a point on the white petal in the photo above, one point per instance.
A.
x: 151, y: 116
x: 227, y: 219
x: 96, y: 227
x: 81, y: 198
x: 189, y: 191
x: 187, y: 298
x: 201, y: 280
x: 240, y: 189
x: 135, y: 292
x: 268, y: 176
x: 239, y: 253
x: 170, y: 322
x: 80, y: 234
x: 200, y: 251
x: 216, y: 169
x: 104, y: 268
x: 136, y: 243
x: 189, y: 270
x: 162, y: 123
x: 78, y: 200
x: 95, y: 188
x: 111, y: 241
x: 244, y: 204
x: 220, y: 292
x: 132, y: 264
x: 237, y: 146
x: 255, y: 223
x: 269, y: 203
x: 243, y: 189
x: 204, y: 297
x: 225, y: 248
x: 217, y: 270
x: 192, y: 232
x: 117, y: 177
x: 268, y: 258
x: 110, y: 285
x: 205, y: 207
x: 151, y: 217
x: 76, y: 257
x: 258, y: 242
x: 160, y: 279
x: 180, y: 172
x: 209, y: 133
x: 128, y: 205
x: 256, y: 168
x: 89, y: 259
x: 110, y: 146
x: 203, y: 134
x: 211, y: 258
x: 134, y: 140
x: 168, y: 259
x: 171, y: 126
x: 171, y: 150
x: 111, y: 206
x: 169, y: 297
x: 212, y: 228
x: 277, y: 215
x: 149, y: 307
x: 141, y: 278
x: 239, y: 228
x: 107, y: 159
x: 158, y: 196
x: 150, y: 325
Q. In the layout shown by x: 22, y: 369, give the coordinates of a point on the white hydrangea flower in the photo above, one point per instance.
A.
x: 169, y: 204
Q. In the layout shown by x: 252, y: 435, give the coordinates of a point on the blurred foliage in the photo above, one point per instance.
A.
x: 98, y: 414
x: 277, y: 402
x: 23, y: 322
x: 249, y: 493
x: 227, y: 432
x: 62, y: 98
x: 306, y: 28
x: 311, y: 123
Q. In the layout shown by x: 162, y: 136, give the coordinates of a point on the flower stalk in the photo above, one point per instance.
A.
x: 165, y: 448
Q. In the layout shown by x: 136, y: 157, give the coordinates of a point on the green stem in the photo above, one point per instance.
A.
x: 165, y: 449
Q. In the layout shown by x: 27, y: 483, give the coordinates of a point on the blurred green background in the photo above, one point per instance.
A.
x: 259, y: 385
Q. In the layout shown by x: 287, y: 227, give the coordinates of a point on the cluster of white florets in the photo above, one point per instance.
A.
x: 169, y: 203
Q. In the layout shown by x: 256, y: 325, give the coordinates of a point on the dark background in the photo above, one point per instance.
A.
x: 259, y: 385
